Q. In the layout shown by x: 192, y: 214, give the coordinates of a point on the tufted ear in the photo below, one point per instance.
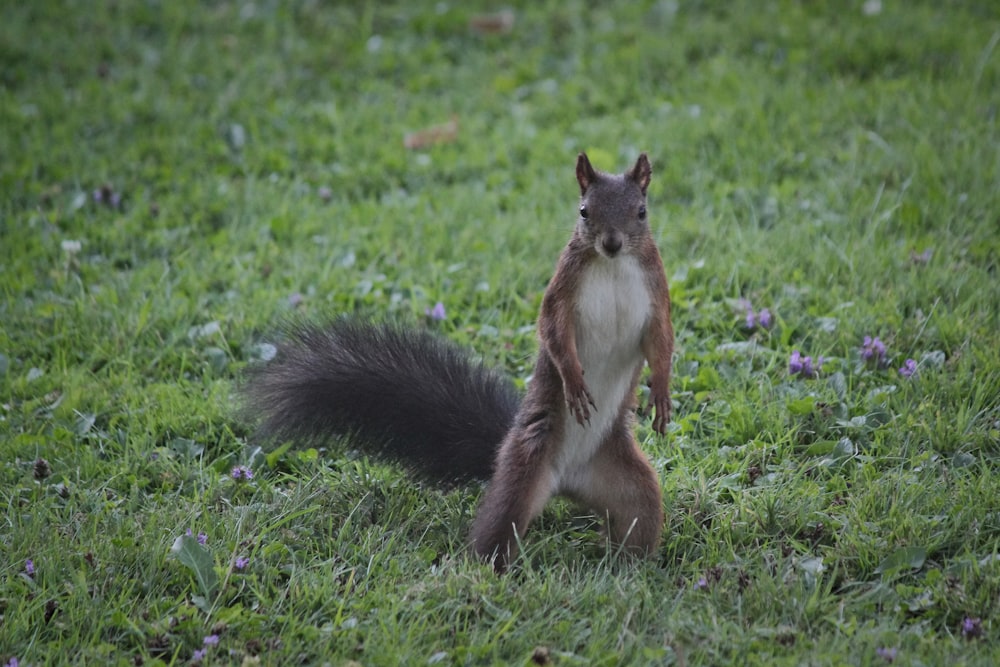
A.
x: 585, y: 173
x: 640, y: 172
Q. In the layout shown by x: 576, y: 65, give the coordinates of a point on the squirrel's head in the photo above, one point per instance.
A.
x: 613, y: 206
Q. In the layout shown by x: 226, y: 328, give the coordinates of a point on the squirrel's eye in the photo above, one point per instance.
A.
x: 642, y: 212
x: 584, y: 213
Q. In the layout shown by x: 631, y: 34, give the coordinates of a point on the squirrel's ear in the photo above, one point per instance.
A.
x: 641, y: 172
x: 585, y: 174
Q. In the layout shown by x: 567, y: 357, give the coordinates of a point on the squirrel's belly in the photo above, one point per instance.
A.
x: 613, y: 310
x: 582, y: 440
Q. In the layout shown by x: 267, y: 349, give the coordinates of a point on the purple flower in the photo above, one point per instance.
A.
x: 921, y: 258
x: 202, y: 537
x: 701, y: 584
x: 972, y: 628
x: 241, y: 563
x: 199, y: 655
x: 294, y: 299
x: 795, y: 363
x: 761, y: 318
x: 437, y: 312
x: 908, y: 368
x: 107, y: 195
x: 29, y: 568
x: 873, y: 349
x: 799, y: 365
x: 211, y: 640
x: 242, y: 473
x: 12, y: 663
x: 887, y: 654
x: 325, y: 192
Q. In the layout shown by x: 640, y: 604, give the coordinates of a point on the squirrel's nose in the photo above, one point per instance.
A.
x: 611, y: 243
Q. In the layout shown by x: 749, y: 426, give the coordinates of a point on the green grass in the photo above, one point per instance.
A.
x: 802, y: 153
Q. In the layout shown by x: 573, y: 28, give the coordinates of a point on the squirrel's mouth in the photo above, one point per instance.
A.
x: 610, y: 244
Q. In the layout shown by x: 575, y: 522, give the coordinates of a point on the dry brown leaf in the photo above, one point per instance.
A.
x: 433, y: 135
x: 493, y: 24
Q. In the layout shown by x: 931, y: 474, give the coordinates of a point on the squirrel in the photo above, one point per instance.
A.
x: 413, y: 397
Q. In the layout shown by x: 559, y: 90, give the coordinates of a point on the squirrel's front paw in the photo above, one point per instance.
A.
x: 579, y: 402
x: 663, y: 408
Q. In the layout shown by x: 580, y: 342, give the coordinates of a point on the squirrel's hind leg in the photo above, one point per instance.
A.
x: 521, y: 485
x: 620, y: 485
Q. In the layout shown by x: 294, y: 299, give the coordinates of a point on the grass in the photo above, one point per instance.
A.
x: 251, y: 157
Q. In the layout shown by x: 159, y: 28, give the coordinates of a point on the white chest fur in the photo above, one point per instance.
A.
x: 613, y: 308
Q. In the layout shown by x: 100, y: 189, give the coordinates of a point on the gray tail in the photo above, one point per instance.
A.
x: 401, y: 394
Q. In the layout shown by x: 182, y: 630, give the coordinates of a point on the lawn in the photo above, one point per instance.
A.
x: 178, y: 178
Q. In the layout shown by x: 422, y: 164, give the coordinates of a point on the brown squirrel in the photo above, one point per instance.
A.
x: 412, y: 397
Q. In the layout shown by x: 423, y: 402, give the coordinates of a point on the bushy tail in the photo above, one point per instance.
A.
x: 403, y: 394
